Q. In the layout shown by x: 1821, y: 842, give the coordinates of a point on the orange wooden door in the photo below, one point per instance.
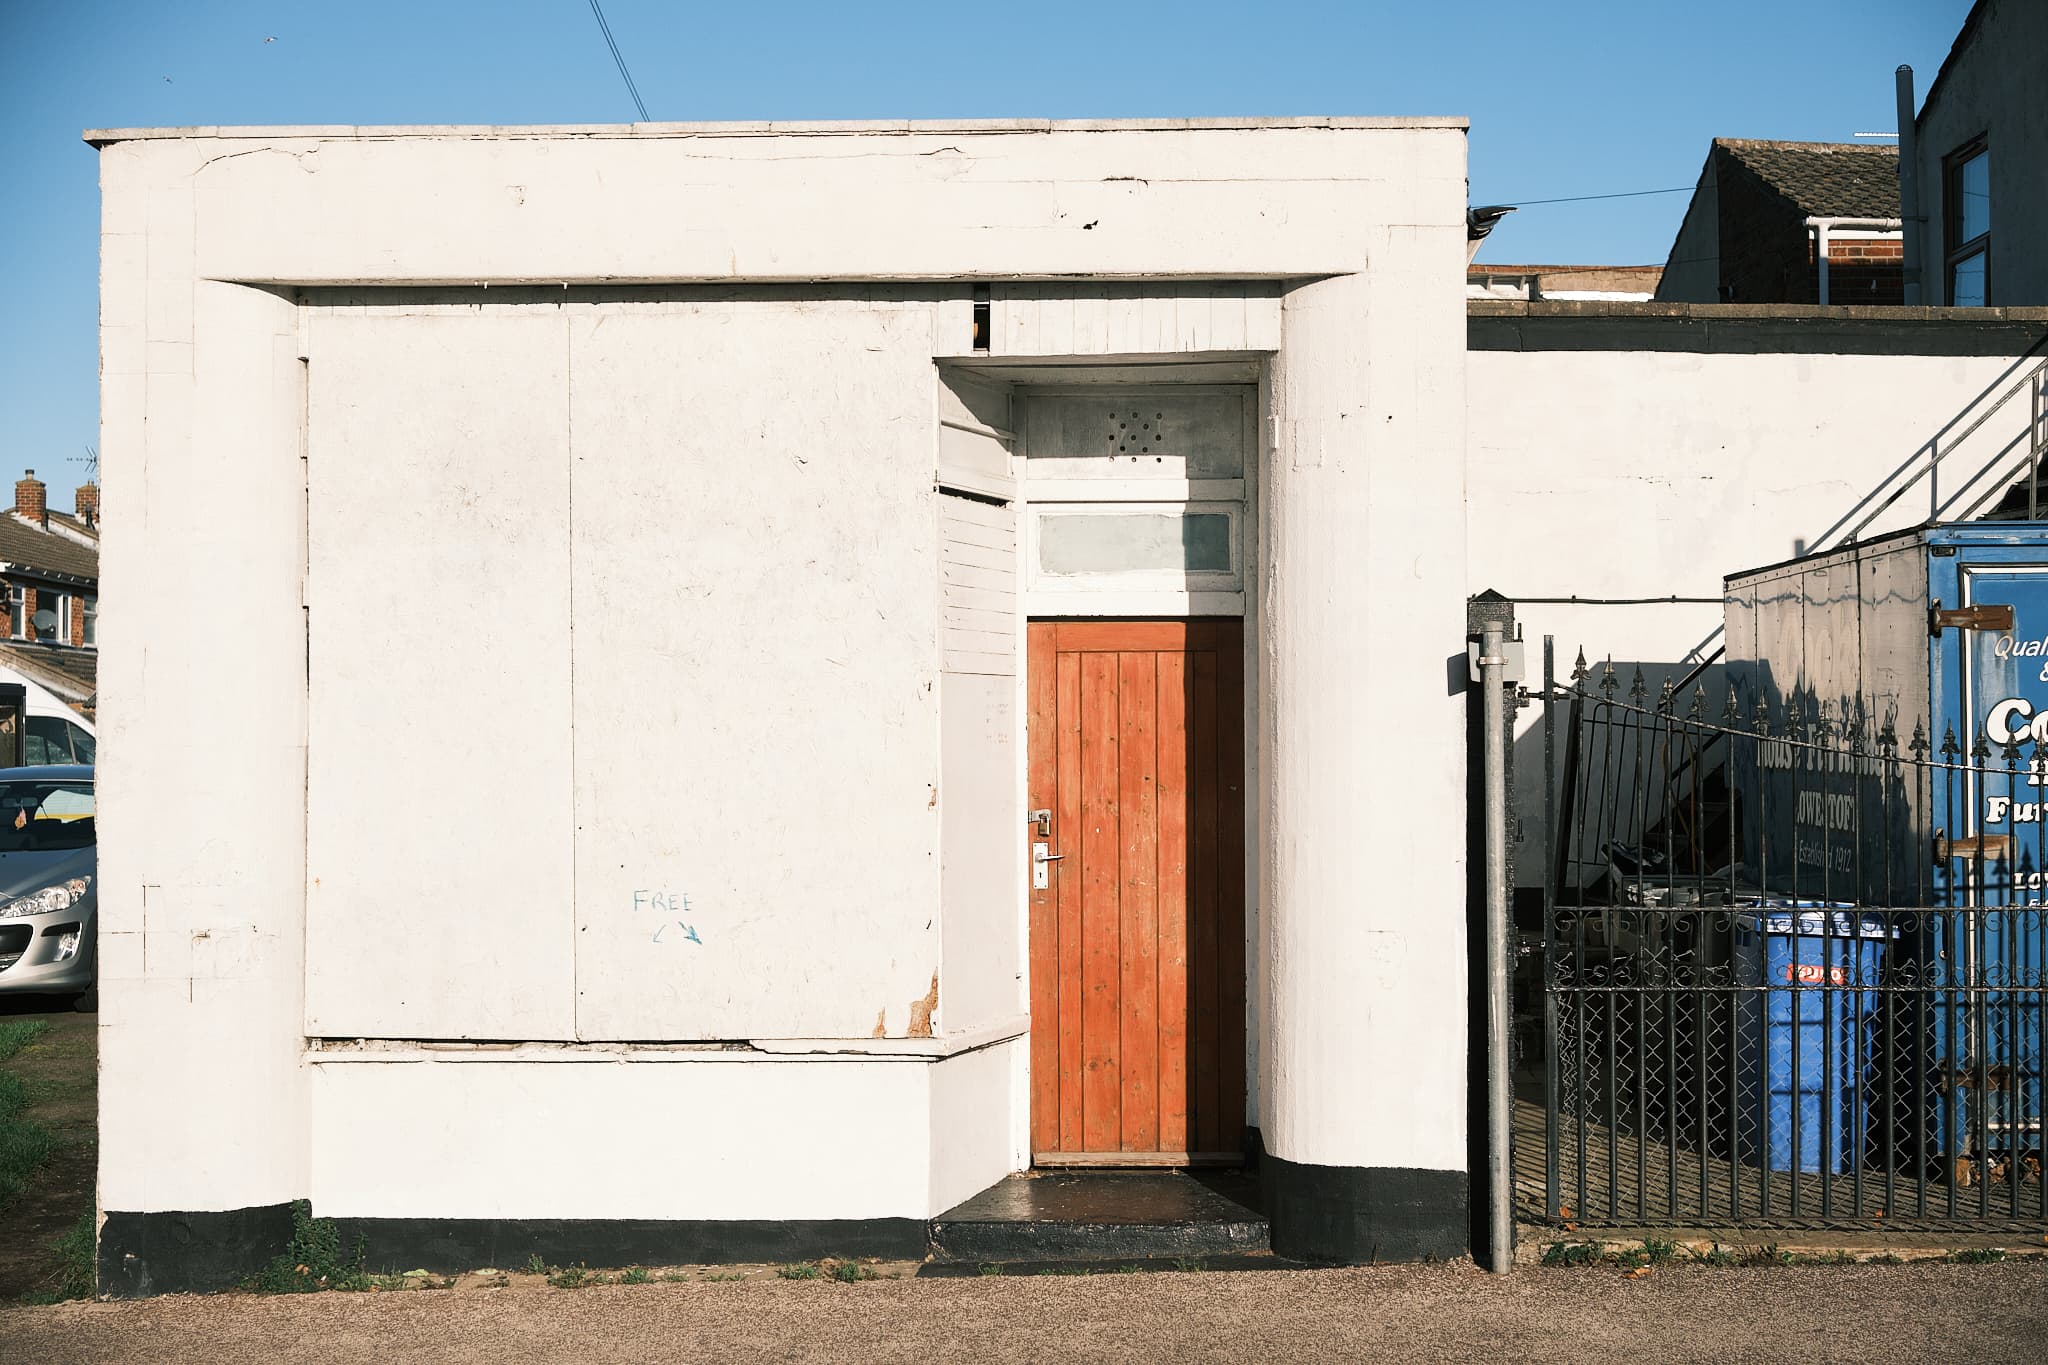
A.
x: 1137, y: 942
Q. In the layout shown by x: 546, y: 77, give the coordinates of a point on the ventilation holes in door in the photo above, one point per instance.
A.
x: 1136, y: 430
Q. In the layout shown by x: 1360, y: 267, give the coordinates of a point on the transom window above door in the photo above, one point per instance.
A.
x: 1135, y: 498
x: 1074, y: 442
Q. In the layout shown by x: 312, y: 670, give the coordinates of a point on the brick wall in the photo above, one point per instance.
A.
x: 1864, y: 270
x: 33, y: 598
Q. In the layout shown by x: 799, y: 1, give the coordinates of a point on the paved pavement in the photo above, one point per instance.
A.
x: 1927, y: 1312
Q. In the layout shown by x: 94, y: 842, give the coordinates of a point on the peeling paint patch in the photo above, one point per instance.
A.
x: 921, y: 1011
x: 881, y: 1023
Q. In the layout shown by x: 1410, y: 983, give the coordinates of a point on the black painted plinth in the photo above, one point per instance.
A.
x: 141, y: 1254
x: 449, y: 1245
x: 1117, y: 1217
x: 1355, y: 1215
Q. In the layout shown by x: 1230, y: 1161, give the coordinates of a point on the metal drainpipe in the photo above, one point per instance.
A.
x: 1909, y: 185
x: 1500, y: 1179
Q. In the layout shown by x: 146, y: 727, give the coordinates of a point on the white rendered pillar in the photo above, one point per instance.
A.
x: 1362, y: 980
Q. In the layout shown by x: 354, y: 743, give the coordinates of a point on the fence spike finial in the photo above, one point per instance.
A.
x: 1579, y: 669
x: 1949, y: 749
x: 1887, y: 739
x: 1732, y: 712
x: 1638, y: 688
x: 1666, y: 695
x: 1824, y: 724
x: 1760, y: 719
x: 1608, y: 682
x: 1918, y: 748
x: 1980, y: 749
x: 1697, y: 712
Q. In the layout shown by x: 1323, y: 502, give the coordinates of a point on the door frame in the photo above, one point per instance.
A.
x: 1245, y: 605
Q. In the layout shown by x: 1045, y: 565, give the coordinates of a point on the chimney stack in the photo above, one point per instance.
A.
x: 29, y: 499
x: 88, y: 503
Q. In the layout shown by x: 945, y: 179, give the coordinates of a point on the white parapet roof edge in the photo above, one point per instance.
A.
x: 100, y: 137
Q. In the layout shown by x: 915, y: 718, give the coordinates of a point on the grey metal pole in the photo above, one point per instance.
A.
x: 1500, y: 1178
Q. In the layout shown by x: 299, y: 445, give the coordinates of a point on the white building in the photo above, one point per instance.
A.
x: 682, y: 577
x: 634, y: 546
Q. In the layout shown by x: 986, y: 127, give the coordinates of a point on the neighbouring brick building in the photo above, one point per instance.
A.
x: 50, y: 569
x: 1790, y: 222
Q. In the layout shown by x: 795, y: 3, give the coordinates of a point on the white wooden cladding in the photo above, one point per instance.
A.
x: 975, y: 436
x: 977, y: 586
x: 1060, y: 319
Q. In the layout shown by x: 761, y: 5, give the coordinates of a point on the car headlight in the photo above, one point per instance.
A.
x: 47, y: 901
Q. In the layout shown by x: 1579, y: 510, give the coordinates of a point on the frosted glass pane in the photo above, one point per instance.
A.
x: 1134, y: 543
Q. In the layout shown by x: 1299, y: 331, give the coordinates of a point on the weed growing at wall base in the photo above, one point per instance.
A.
x: 314, y: 1260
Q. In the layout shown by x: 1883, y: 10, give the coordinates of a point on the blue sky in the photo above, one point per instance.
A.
x: 1565, y: 99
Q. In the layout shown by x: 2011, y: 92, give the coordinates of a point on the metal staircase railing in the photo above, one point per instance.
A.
x: 1996, y: 475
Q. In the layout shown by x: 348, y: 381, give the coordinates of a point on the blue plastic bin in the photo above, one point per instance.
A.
x: 1799, y: 1112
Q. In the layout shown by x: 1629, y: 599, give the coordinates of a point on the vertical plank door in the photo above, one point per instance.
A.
x: 1137, y: 940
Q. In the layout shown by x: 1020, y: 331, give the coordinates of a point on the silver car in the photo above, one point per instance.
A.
x: 48, y: 900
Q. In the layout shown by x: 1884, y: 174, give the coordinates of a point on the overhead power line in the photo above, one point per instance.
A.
x: 1582, y: 198
x: 617, y: 57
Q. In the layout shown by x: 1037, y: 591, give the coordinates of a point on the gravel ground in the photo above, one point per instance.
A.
x: 1926, y: 1312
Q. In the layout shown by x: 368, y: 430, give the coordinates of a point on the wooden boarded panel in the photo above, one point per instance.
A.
x: 1137, y: 948
x: 1042, y: 718
x: 1101, y: 926
x: 438, y: 906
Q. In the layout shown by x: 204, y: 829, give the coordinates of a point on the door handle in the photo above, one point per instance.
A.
x: 1040, y: 878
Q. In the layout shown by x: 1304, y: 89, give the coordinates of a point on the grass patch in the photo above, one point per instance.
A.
x: 636, y: 1275
x: 800, y: 1270
x: 23, y: 1145
x: 1763, y: 1255
x: 719, y: 1276
x: 851, y: 1272
x: 575, y: 1277
x: 1190, y: 1266
x: 1979, y: 1256
x: 75, y: 1250
x: 16, y: 1034
x: 1714, y: 1255
x: 314, y: 1260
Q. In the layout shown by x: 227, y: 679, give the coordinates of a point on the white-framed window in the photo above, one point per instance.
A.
x: 89, y: 608
x: 1136, y: 546
x: 17, y: 612
x: 52, y: 620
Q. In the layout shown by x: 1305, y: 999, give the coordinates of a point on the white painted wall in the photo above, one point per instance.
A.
x: 1655, y: 471
x: 1361, y: 985
x: 737, y: 488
